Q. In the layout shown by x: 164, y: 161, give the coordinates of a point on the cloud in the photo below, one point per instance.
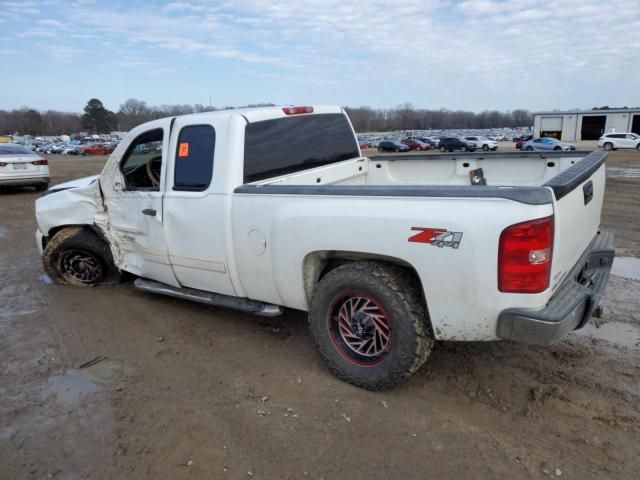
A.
x: 49, y: 22
x: 37, y: 32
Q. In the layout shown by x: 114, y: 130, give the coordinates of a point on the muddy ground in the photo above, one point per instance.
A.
x: 113, y: 383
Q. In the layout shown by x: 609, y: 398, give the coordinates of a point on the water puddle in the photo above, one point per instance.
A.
x: 89, y: 378
x: 70, y: 388
x: 628, y: 172
x: 102, y: 370
x: 613, y: 332
x: 627, y: 267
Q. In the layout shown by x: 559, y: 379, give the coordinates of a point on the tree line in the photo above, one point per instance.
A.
x: 96, y: 118
x: 406, y: 117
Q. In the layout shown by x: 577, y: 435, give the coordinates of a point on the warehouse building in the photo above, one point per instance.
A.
x: 586, y: 124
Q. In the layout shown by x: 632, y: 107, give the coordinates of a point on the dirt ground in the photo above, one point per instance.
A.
x: 112, y: 383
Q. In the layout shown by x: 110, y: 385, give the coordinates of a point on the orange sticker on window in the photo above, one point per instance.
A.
x: 183, y: 150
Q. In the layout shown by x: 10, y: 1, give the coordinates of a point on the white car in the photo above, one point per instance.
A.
x: 613, y: 141
x: 263, y: 208
x: 19, y: 166
x: 482, y: 143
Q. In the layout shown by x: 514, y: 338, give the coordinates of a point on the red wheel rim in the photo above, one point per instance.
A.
x: 360, y: 328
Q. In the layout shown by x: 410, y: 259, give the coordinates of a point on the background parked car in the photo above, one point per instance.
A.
x: 482, y: 142
x: 415, y: 144
x: 96, y: 149
x: 392, y: 146
x: 522, y: 140
x: 454, y: 143
x: 433, y: 141
x: 546, y: 144
x: 20, y: 166
x: 613, y: 141
x: 71, y: 150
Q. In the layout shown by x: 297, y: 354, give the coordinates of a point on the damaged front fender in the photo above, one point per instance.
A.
x: 78, y: 202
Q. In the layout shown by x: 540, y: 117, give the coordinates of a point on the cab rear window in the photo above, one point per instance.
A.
x: 288, y: 145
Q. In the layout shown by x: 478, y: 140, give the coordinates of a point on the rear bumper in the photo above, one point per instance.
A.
x: 571, y: 305
x: 25, y: 181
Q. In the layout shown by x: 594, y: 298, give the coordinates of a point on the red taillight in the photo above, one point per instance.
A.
x: 524, y: 256
x: 297, y: 110
x: 42, y: 161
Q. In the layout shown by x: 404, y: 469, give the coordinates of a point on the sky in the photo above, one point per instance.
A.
x: 471, y: 55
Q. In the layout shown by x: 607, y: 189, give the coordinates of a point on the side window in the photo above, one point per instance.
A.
x: 141, y: 165
x: 194, y: 158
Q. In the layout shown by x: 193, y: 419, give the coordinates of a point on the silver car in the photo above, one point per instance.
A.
x: 546, y: 144
x: 19, y: 166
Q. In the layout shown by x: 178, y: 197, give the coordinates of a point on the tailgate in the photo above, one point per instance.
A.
x: 578, y: 193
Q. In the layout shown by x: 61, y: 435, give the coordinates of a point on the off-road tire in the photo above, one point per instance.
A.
x: 401, y: 296
x: 82, y: 240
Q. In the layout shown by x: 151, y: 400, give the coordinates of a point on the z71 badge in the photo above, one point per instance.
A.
x: 436, y: 236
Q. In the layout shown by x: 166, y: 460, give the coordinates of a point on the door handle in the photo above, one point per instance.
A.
x: 149, y: 211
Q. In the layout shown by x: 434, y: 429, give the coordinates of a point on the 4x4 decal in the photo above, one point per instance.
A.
x: 436, y: 236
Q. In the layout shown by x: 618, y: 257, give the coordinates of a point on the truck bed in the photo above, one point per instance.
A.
x: 499, y: 169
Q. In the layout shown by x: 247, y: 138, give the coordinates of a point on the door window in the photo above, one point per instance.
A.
x: 141, y: 165
x: 194, y: 158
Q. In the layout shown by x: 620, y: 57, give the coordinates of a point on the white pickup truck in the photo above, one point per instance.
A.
x: 260, y: 209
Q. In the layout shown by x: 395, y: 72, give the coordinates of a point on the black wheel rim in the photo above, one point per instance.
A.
x: 81, y: 266
x: 360, y: 328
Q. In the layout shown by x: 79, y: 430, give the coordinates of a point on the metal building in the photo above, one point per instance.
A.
x: 585, y: 124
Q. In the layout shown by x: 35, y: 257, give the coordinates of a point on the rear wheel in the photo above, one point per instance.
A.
x: 608, y: 146
x: 442, y: 149
x: 77, y: 256
x: 464, y: 149
x: 370, y: 324
x: 529, y: 148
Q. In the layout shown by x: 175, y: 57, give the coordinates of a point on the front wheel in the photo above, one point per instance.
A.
x: 485, y: 148
x: 370, y: 324
x: 557, y: 148
x: 464, y: 149
x: 442, y: 149
x: 77, y: 256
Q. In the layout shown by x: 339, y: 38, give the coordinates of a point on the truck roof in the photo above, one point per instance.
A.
x: 257, y: 114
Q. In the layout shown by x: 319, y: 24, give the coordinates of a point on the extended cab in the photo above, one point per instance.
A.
x: 265, y: 208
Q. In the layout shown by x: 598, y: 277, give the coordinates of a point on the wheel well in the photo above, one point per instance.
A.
x: 318, y: 264
x: 91, y: 228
